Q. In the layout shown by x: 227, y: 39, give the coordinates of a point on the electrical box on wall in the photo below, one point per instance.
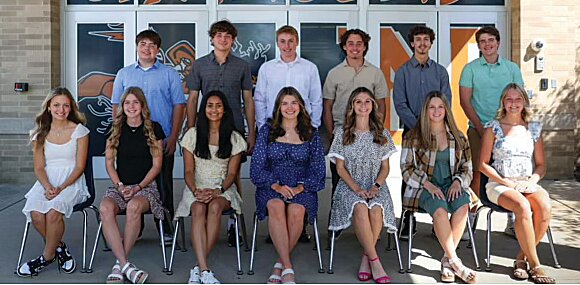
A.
x: 539, y: 63
x: 20, y: 86
x: 543, y: 84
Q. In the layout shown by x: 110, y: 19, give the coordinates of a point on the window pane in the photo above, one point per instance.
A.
x: 100, y: 2
x: 474, y: 2
x: 322, y: 2
x: 319, y: 44
x: 255, y: 2
x: 255, y: 43
x: 402, y: 2
x: 171, y: 2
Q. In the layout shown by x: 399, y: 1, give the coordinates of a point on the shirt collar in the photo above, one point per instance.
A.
x: 296, y: 60
x: 416, y: 63
x: 500, y: 61
x: 155, y: 65
x: 213, y: 58
x: 345, y: 63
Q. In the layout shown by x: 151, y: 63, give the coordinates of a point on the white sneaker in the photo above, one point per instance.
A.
x: 207, y: 277
x: 194, y: 276
x: 510, y: 227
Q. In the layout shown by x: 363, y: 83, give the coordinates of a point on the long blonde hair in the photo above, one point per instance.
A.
x: 375, y: 120
x: 526, y: 113
x: 120, y: 119
x: 421, y: 136
x: 44, y: 118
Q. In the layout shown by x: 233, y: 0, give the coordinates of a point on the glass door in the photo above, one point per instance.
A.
x: 457, y: 47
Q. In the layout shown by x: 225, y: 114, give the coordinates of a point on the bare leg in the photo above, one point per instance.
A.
x: 198, y: 233
x: 362, y: 227
x: 541, y: 209
x: 214, y: 218
x: 443, y: 231
x: 39, y: 222
x: 295, y: 223
x: 458, y: 220
x: 54, y: 233
x: 109, y: 210
x: 277, y: 225
x: 135, y: 208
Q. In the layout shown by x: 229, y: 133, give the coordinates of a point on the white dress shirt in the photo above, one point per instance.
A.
x: 276, y: 74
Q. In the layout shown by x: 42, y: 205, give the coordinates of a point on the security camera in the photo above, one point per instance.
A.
x: 537, y: 45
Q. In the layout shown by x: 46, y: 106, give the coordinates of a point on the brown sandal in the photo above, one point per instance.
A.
x: 521, y: 269
x: 538, y: 275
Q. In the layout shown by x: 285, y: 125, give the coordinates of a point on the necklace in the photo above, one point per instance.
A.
x: 57, y: 132
x: 133, y: 129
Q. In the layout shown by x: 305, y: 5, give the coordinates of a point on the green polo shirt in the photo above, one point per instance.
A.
x: 487, y: 82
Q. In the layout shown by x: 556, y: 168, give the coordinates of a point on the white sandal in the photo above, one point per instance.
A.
x: 133, y: 273
x: 285, y: 272
x: 447, y: 274
x: 275, y: 279
x: 116, y: 276
x: 466, y: 274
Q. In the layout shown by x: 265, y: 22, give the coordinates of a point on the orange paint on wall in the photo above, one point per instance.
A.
x: 460, y: 40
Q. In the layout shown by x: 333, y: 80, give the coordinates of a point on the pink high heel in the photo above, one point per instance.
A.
x: 364, y: 276
x: 383, y: 279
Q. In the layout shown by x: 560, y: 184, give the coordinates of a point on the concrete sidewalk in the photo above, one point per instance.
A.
x: 425, y: 256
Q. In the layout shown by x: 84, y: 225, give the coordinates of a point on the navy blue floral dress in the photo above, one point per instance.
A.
x: 287, y: 164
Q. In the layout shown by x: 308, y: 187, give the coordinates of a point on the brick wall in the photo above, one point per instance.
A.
x: 558, y: 108
x: 29, y: 52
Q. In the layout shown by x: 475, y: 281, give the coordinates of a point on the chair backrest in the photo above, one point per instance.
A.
x: 90, y: 185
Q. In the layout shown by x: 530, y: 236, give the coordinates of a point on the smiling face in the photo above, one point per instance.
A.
x: 436, y: 110
x: 147, y: 51
x: 355, y: 47
x: 214, y: 110
x: 422, y: 44
x: 513, y: 102
x: 289, y: 107
x: 59, y: 107
x: 132, y: 107
x: 222, y: 41
x: 362, y: 104
x: 488, y: 45
x: 287, y: 44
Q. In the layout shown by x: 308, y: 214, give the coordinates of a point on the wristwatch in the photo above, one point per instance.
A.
x: 222, y: 189
x: 377, y: 185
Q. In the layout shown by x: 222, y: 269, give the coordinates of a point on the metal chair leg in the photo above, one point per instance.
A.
x: 551, y: 240
x: 317, y: 237
x: 173, y: 245
x: 472, y: 243
x: 488, y: 242
x: 23, y: 244
x: 330, y: 271
x: 238, y: 253
x: 162, y: 242
x: 85, y: 214
x: 397, y: 245
x: 251, y: 271
x: 409, y: 269
x: 95, y: 246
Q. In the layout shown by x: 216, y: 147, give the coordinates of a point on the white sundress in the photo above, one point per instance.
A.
x: 60, y: 162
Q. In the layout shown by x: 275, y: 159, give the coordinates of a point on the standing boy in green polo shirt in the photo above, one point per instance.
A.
x: 480, y: 87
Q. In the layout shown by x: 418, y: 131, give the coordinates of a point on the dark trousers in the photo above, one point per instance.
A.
x: 167, y: 188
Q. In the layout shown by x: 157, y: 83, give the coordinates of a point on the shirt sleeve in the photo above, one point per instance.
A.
x: 80, y: 132
x: 238, y: 143
x: 189, y: 139
x: 260, y: 171
x: 466, y: 77
x: 412, y: 173
x: 389, y: 148
x: 536, y: 130
x: 400, y: 100
x: 118, y: 88
x: 518, y: 79
x: 260, y: 100
x: 193, y: 81
x: 317, y: 166
x: 247, y: 83
x: 329, y: 89
x: 445, y: 87
x: 315, y: 97
x: 158, y: 131
x: 176, y: 88
x: 336, y: 148
x: 381, y: 88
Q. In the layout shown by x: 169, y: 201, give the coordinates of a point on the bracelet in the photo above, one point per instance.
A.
x: 377, y: 185
x: 140, y: 188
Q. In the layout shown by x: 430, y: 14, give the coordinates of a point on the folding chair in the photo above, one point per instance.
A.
x: 82, y: 207
x: 255, y: 232
x: 160, y: 184
x: 470, y: 231
x: 230, y: 213
x: 496, y: 208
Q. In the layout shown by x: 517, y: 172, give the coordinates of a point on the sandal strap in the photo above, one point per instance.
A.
x: 287, y: 271
x: 278, y: 265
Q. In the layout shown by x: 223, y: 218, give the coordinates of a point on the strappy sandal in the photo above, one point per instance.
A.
x: 285, y: 272
x: 385, y: 279
x: 447, y: 274
x: 364, y: 275
x: 116, y: 276
x: 466, y: 274
x: 538, y: 275
x: 133, y: 273
x: 275, y: 279
x: 521, y: 269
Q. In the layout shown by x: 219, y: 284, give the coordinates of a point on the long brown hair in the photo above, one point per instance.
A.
x: 375, y: 120
x: 304, y: 127
x: 44, y: 118
x: 526, y: 113
x: 420, y: 135
x: 120, y: 119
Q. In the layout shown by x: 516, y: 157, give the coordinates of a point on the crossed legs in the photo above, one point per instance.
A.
x: 205, y: 227
x: 368, y: 224
x: 51, y: 228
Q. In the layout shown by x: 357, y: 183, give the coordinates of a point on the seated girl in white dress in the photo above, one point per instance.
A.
x: 211, y: 158
x: 59, y: 146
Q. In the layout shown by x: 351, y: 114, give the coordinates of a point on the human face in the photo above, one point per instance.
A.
x: 59, y: 107
x: 147, y: 51
x: 513, y: 102
x: 214, y: 110
x: 132, y: 107
x: 222, y: 41
x: 488, y: 45
x: 436, y: 110
x: 355, y: 47
x: 287, y: 44
x: 363, y: 104
x: 422, y: 44
x: 289, y: 107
